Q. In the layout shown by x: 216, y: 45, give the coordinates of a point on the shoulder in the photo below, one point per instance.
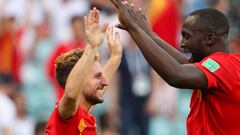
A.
x: 218, y: 68
x: 75, y: 117
x: 215, y: 62
x: 225, y: 58
x: 56, y: 120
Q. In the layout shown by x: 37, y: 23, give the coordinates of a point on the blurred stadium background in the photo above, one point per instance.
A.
x: 138, y: 102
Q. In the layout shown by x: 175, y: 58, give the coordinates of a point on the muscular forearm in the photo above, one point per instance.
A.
x: 162, y: 62
x: 181, y: 58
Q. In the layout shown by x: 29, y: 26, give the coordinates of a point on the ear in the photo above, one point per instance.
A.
x: 210, y: 39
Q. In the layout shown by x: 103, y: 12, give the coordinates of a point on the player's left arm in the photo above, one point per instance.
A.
x: 172, y: 71
x: 115, y: 48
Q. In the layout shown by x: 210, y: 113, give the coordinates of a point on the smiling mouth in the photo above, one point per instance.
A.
x: 100, y: 89
x: 185, y: 49
x: 100, y: 94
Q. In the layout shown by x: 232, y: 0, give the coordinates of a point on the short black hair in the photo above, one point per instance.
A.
x: 212, y: 20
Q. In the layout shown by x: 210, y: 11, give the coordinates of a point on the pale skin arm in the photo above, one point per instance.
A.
x: 116, y: 54
x: 77, y: 78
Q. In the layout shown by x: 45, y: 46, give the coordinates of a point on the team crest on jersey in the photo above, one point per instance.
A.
x: 81, y: 126
x: 211, y: 65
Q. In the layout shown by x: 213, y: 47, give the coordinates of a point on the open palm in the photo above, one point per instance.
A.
x: 114, y: 42
x: 125, y: 19
x: 94, y: 32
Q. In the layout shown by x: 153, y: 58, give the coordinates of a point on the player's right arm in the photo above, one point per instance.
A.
x: 78, y: 76
x: 142, y: 21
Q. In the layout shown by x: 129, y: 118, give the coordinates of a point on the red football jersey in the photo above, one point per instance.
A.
x: 215, y: 110
x: 82, y: 123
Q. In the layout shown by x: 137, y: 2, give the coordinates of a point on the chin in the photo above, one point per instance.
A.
x: 97, y: 101
x: 100, y: 100
x: 94, y: 99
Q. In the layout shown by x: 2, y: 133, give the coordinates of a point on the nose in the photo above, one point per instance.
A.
x: 182, y: 45
x: 104, y: 82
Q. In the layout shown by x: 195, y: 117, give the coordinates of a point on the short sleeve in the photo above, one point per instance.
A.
x: 211, y: 69
x: 59, y: 117
x: 58, y: 126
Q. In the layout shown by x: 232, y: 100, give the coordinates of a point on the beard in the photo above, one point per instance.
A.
x: 93, y: 99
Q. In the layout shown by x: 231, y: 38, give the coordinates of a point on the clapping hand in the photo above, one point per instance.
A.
x: 125, y: 19
x: 94, y: 32
x: 114, y: 43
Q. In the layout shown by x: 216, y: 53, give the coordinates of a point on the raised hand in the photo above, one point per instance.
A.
x: 114, y: 43
x: 140, y: 18
x: 124, y: 9
x: 94, y: 33
x: 125, y: 19
x: 115, y: 48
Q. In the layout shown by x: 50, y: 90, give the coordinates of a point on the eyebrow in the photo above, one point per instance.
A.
x: 185, y: 33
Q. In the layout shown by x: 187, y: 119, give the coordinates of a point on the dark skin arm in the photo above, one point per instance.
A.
x: 142, y: 21
x: 174, y: 73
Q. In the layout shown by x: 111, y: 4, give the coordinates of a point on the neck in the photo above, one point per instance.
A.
x: 225, y: 49
x: 221, y: 47
x: 201, y: 55
x: 84, y: 104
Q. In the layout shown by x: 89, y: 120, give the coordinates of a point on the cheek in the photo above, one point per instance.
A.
x: 92, y: 85
x: 87, y: 88
x: 88, y: 91
x: 194, y: 44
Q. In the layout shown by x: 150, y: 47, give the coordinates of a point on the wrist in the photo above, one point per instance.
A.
x: 131, y: 26
x: 153, y: 34
x: 116, y: 53
x: 92, y: 46
x: 131, y: 29
x: 134, y: 31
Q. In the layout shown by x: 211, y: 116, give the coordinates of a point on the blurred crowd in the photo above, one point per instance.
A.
x: 138, y: 102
